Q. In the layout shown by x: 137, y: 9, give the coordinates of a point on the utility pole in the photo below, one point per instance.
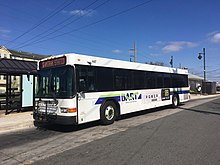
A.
x: 135, y: 53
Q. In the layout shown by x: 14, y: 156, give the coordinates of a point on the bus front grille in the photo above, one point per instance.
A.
x: 48, y: 107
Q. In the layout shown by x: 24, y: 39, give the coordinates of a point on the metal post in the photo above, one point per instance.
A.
x: 7, y: 94
x: 202, y: 55
x: 204, y: 65
x: 204, y: 70
x: 134, y: 51
x: 171, y: 61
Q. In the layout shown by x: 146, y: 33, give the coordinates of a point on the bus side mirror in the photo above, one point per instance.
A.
x: 82, y: 85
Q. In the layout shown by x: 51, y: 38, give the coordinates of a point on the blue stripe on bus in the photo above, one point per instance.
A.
x: 180, y: 92
x: 102, y: 99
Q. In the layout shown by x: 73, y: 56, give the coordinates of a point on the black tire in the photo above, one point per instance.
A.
x: 175, y: 101
x: 108, y: 113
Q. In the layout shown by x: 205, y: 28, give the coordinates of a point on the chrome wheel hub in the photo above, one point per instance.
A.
x: 109, y: 112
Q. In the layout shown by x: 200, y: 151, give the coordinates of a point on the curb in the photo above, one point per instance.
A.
x: 16, y: 121
x: 12, y: 128
x: 198, y: 97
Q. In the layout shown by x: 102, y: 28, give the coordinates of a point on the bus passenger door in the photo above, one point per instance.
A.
x: 87, y: 110
x: 81, y: 106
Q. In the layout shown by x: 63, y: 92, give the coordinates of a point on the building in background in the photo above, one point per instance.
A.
x: 195, y: 83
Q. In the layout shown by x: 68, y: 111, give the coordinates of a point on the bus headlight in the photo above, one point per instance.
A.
x: 63, y: 110
x: 68, y: 110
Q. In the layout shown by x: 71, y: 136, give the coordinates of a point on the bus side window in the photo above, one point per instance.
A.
x: 150, y: 80
x: 119, y: 83
x: 138, y: 80
x: 167, y: 81
x: 86, y: 78
x: 91, y: 83
x: 160, y: 80
x: 104, y: 79
x: 82, y: 85
x: 123, y: 80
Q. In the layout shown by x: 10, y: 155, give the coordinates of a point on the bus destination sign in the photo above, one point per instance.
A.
x: 53, y: 62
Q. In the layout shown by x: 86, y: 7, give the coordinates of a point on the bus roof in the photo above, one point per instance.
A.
x: 74, y: 59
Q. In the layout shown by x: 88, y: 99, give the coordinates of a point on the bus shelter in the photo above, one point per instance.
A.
x: 17, y: 81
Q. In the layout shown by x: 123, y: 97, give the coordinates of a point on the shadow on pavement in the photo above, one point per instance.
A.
x: 200, y: 111
x: 72, y: 128
x: 65, y: 128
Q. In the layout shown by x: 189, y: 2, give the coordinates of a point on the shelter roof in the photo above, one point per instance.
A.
x: 12, y: 66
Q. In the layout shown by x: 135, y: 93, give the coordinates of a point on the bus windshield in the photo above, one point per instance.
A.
x: 56, y: 83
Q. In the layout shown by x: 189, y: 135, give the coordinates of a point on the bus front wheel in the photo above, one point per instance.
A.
x: 108, y: 113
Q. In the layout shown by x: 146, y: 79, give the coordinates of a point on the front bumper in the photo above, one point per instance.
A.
x: 53, y: 118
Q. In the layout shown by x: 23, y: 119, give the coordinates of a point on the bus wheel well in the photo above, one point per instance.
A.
x: 116, y: 103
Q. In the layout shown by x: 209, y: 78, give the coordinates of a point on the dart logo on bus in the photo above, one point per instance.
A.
x: 130, y: 96
x: 124, y: 97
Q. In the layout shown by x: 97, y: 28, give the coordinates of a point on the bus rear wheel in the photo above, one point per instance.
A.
x: 175, y: 100
x: 108, y: 113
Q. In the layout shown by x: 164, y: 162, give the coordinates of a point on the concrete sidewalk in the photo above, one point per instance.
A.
x: 199, y: 96
x: 23, y: 120
x: 15, y: 121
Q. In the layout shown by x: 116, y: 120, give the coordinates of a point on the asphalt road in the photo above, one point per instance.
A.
x: 186, y: 135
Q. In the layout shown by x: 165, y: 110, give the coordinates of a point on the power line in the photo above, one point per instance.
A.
x: 53, y: 13
x: 214, y: 70
x: 38, y: 35
x: 96, y: 22
x: 152, y: 58
x: 44, y: 48
x: 16, y: 11
x: 210, y: 71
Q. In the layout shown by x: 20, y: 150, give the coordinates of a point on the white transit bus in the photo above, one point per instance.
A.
x: 75, y: 89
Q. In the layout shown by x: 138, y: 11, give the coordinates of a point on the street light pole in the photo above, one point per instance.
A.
x: 204, y: 65
x: 202, y: 55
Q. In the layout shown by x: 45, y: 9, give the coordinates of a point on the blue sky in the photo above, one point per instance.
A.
x: 108, y: 28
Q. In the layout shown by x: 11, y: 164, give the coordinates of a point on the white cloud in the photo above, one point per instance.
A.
x: 211, y: 33
x: 171, y: 48
x: 150, y: 47
x: 79, y: 12
x: 159, y: 42
x: 156, y: 45
x: 177, y: 46
x: 4, y: 32
x: 116, y: 51
x: 215, y: 37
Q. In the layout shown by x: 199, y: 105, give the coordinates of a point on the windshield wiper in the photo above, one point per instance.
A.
x: 50, y: 88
